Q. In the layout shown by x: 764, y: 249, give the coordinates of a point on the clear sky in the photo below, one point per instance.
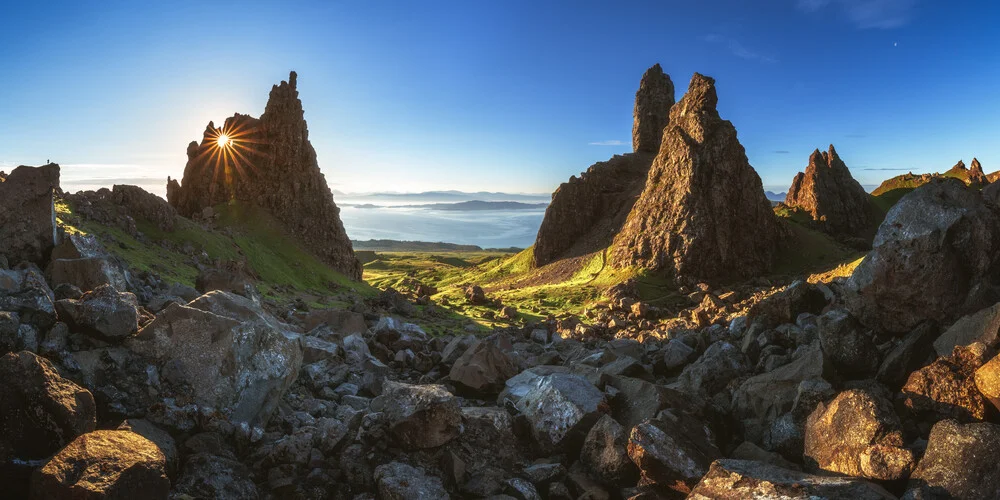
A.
x: 501, y: 96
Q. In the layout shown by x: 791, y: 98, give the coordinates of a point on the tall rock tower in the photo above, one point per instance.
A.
x: 268, y: 162
x: 832, y: 197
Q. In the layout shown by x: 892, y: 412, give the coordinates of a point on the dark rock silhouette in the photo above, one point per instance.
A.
x: 831, y: 196
x: 703, y: 212
x: 27, y: 213
x: 270, y: 163
x: 587, y: 212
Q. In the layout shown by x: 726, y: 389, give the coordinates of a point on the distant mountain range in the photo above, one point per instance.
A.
x: 421, y: 246
x: 474, y: 205
x: 771, y: 195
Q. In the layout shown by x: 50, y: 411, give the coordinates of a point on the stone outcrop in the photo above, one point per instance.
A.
x: 973, y: 176
x: 934, y: 258
x: 270, y: 163
x: 703, y: 212
x: 828, y: 192
x: 588, y: 211
x: 27, y: 214
x: 652, y: 109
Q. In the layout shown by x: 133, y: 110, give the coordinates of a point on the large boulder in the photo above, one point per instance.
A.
x: 278, y: 172
x: 933, y: 259
x: 28, y: 214
x: 739, y: 479
x: 560, y: 409
x: 710, y: 373
x: 88, y: 273
x: 981, y: 326
x: 139, y: 203
x: 104, y: 312
x: 104, y: 464
x: 39, y: 410
x: 910, y: 354
x: 674, y: 450
x: 961, y: 461
x: 484, y: 367
x: 421, y: 416
x: 828, y: 192
x: 848, y: 346
x: 605, y: 452
x: 25, y: 292
x: 857, y: 434
x: 223, y: 352
x: 947, y: 387
x: 771, y: 394
x: 399, y: 481
x: 211, y: 476
x: 703, y: 212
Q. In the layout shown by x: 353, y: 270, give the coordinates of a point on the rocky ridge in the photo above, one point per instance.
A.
x: 831, y: 196
x: 269, y: 163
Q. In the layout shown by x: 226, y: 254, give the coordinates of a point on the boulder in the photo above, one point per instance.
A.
x: 140, y: 203
x: 103, y: 312
x: 278, y: 173
x: 857, y: 434
x: 987, y: 378
x: 638, y: 400
x: 25, y: 292
x: 159, y: 437
x: 721, y: 363
x: 342, y: 321
x: 560, y: 409
x: 961, y: 461
x: 770, y: 394
x: 211, y: 476
x: 605, y: 453
x: 484, y: 368
x: 828, y: 192
x: 224, y: 352
x: 981, y: 326
x: 911, y: 353
x: 40, y: 412
x: 847, y: 345
x: 703, y: 212
x: 104, y: 464
x: 475, y: 295
x: 738, y: 479
x: 932, y: 259
x: 519, y: 385
x: 28, y: 214
x: 785, y: 306
x: 673, y: 450
x: 946, y: 388
x: 88, y: 273
x: 399, y: 481
x: 421, y: 416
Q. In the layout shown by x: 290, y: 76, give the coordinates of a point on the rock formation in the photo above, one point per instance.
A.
x: 271, y: 163
x: 831, y: 196
x: 27, y: 213
x: 652, y: 110
x: 973, y: 176
x: 587, y: 212
x: 703, y: 212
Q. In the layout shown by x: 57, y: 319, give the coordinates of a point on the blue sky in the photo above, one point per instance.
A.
x: 511, y: 95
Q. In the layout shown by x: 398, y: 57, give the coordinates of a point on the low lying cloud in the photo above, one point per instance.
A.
x: 607, y: 143
x: 781, y: 152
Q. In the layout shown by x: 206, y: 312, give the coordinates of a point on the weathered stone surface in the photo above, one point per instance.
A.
x: 653, y: 101
x: 210, y: 476
x: 638, y: 400
x: 932, y: 259
x: 741, y: 479
x: 275, y: 169
x: 519, y: 385
x: 847, y: 344
x: 588, y: 211
x: 982, y: 326
x: 605, y: 452
x: 961, y: 461
x: 140, y: 203
x: 721, y: 363
x: 946, y: 388
x: 421, y: 416
x: 857, y: 434
x: 223, y: 352
x: 399, y: 481
x: 673, y: 450
x: 103, y: 312
x: 832, y: 197
x: 104, y: 464
x: 25, y: 292
x: 39, y: 410
x: 88, y: 273
x: 785, y: 306
x: 911, y: 353
x: 27, y: 214
x: 484, y: 367
x: 770, y: 394
x: 703, y: 212
x: 161, y: 438
x: 561, y: 408
x: 987, y: 378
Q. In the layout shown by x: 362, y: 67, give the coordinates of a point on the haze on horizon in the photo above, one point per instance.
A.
x: 514, y: 97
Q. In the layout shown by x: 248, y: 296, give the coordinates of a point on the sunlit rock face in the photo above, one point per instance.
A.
x: 831, y: 195
x: 27, y: 215
x: 268, y: 162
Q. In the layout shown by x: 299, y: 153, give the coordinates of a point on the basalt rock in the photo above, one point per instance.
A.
x: 703, y: 212
x: 831, y: 196
x: 270, y: 163
x: 739, y: 479
x: 961, y: 461
x: 27, y: 214
x: 588, y: 211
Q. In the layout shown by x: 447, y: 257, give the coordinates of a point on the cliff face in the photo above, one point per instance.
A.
x: 268, y: 162
x: 703, y: 212
x: 832, y: 196
x: 27, y: 213
x: 587, y: 212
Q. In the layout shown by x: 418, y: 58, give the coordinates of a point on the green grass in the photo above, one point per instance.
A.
x: 809, y: 251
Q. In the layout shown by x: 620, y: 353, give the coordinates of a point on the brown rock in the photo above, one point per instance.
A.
x: 137, y: 203
x: 483, y: 367
x: 27, y: 214
x: 672, y: 451
x: 961, y: 461
x: 270, y: 163
x: 605, y: 452
x: 987, y: 378
x: 831, y: 196
x: 741, y: 479
x: 946, y: 388
x: 703, y: 212
x: 652, y: 109
x: 104, y: 465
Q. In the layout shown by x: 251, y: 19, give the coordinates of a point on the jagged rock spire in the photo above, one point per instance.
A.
x: 831, y: 195
x: 652, y: 109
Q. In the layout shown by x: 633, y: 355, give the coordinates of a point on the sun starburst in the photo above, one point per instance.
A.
x: 228, y: 151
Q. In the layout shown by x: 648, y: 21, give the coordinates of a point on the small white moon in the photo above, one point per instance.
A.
x: 894, y: 44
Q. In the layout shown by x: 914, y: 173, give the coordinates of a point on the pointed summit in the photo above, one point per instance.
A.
x: 832, y: 196
x: 652, y: 109
x: 269, y: 163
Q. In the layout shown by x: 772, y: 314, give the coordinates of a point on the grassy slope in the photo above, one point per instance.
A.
x: 284, y: 269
